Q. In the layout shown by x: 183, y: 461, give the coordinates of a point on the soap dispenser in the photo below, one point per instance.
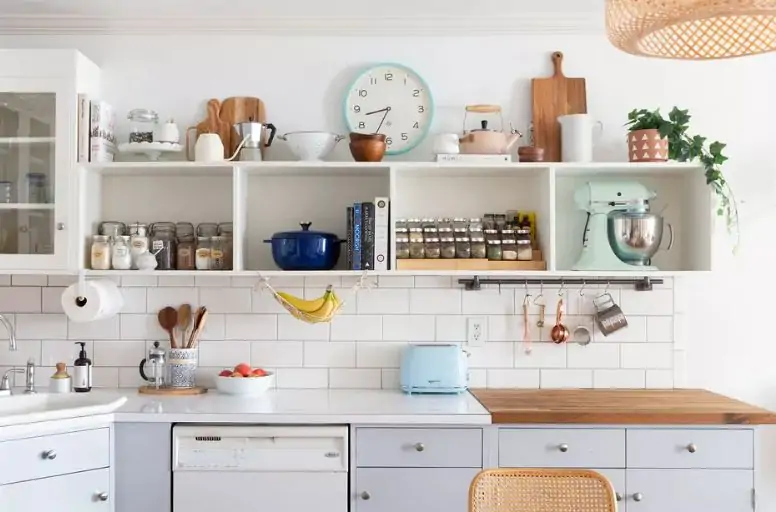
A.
x: 82, y: 371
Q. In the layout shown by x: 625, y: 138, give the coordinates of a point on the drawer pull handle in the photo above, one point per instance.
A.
x: 563, y: 447
x: 419, y: 447
x: 365, y: 495
x: 331, y: 455
x: 49, y: 455
x: 103, y: 496
x: 692, y: 448
x: 638, y: 496
x: 618, y: 496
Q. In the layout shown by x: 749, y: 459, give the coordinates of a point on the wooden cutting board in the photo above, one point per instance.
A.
x: 239, y: 109
x: 212, y: 124
x: 553, y: 97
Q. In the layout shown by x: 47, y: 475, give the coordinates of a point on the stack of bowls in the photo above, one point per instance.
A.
x: 367, y: 147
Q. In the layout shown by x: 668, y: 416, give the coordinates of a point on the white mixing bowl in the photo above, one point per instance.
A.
x: 245, y: 386
x: 311, y: 145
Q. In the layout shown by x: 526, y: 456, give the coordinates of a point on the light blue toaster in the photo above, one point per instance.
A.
x: 434, y: 368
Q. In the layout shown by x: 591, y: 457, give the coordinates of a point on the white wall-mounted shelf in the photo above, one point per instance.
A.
x: 262, y: 198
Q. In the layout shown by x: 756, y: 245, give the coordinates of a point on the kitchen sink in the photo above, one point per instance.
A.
x: 18, y: 409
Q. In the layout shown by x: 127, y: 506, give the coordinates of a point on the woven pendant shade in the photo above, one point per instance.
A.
x: 692, y: 29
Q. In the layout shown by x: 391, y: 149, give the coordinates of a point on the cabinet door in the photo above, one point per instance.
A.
x: 413, y: 489
x: 37, y: 152
x: 84, y: 492
x: 689, y: 490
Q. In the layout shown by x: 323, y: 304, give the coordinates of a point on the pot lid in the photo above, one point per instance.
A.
x: 304, y: 232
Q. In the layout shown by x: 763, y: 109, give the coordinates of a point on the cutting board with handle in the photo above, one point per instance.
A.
x: 239, y: 109
x: 211, y: 124
x: 555, y: 96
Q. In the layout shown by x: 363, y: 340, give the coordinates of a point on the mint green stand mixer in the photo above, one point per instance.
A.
x: 621, y: 234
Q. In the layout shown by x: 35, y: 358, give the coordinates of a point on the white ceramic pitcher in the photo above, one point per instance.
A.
x: 576, y: 137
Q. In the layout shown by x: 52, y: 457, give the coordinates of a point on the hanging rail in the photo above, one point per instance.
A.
x: 642, y: 284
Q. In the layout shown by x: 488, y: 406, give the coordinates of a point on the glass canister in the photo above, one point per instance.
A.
x: 447, y: 245
x: 524, y: 250
x: 138, y: 241
x: 112, y: 229
x: 417, y: 249
x: 460, y: 224
x: 475, y: 224
x: 463, y: 248
x: 432, y: 248
x: 402, y: 247
x: 121, y: 256
x: 428, y: 223
x: 494, y: 250
x: 202, y: 260
x: 100, y: 252
x: 491, y: 234
x: 37, y: 188
x: 445, y: 225
x: 163, y: 247
x: 186, y: 253
x: 478, y: 247
x: 208, y: 229
x: 489, y: 221
x: 226, y: 230
x: 142, y: 124
x: 413, y: 223
x: 217, y: 253
x: 509, y: 249
x: 401, y: 226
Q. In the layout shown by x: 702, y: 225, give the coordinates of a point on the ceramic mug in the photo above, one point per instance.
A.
x: 182, y: 367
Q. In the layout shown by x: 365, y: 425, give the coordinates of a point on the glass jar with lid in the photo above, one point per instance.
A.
x: 217, y: 253
x: 489, y: 221
x: 208, y: 229
x: 501, y: 221
x: 112, y: 229
x: 447, y: 244
x: 524, y: 250
x: 100, y: 252
x: 460, y: 224
x: 121, y: 256
x: 523, y: 234
x: 463, y: 248
x: 491, y: 234
x: 163, y: 247
x: 431, y: 247
x: 414, y: 223
x: 142, y: 125
x: 428, y: 223
x: 402, y: 247
x: 475, y: 224
x: 417, y: 248
x: 494, y: 250
x: 509, y: 249
x: 138, y: 241
x: 478, y: 247
x: 507, y: 233
x: 445, y: 225
x: 401, y: 226
x: 202, y: 258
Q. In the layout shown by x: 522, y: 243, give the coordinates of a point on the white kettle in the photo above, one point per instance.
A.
x: 576, y: 137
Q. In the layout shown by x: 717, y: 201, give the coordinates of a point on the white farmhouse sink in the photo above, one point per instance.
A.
x: 18, y: 409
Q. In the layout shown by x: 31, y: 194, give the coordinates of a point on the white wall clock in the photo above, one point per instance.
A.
x: 390, y: 99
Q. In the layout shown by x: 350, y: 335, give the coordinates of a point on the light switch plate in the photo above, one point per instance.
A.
x: 476, y: 331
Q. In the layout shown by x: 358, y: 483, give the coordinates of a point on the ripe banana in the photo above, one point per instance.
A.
x: 306, y: 306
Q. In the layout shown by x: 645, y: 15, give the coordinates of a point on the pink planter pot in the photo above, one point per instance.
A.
x: 647, y: 146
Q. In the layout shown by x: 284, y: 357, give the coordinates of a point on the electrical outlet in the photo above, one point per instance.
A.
x: 476, y: 331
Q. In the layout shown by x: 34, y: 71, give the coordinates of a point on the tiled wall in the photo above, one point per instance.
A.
x: 361, y: 347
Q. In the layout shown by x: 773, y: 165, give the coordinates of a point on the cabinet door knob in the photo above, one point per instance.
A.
x: 563, y: 447
x: 365, y: 495
x: 618, y: 496
x: 49, y: 455
x: 60, y: 226
x: 638, y: 496
x: 420, y: 447
x: 692, y: 448
x: 103, y: 496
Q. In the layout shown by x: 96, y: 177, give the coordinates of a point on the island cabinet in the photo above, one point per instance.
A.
x: 652, y: 469
x: 414, y: 469
x: 69, y: 471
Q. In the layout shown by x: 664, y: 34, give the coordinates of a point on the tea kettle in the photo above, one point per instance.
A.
x: 484, y: 141
x: 157, y: 358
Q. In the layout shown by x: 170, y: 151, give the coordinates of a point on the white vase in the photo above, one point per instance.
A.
x: 576, y: 137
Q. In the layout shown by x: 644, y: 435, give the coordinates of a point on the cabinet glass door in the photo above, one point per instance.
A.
x: 32, y: 126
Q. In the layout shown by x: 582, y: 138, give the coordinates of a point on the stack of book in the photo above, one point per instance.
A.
x: 368, y: 235
x: 96, y: 131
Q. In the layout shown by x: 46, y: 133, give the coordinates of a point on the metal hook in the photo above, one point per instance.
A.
x: 527, y: 297
x: 582, y: 290
x: 606, y: 290
x: 539, y: 297
x: 562, y: 287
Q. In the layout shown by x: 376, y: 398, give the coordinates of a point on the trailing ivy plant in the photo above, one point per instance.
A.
x: 684, y: 147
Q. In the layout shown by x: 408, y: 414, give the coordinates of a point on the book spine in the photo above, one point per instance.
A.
x: 350, y: 237
x: 368, y: 233
x: 83, y: 127
x: 357, y: 235
x: 382, y: 233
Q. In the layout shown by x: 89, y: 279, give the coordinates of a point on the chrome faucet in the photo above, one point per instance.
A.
x: 11, y: 332
x: 29, y: 385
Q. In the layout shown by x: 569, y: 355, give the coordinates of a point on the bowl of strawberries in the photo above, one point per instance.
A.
x: 243, y: 380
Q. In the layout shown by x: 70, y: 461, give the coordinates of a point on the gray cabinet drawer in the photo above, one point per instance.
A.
x: 562, y: 448
x: 689, y: 490
x: 413, y: 489
x: 41, y: 457
x: 419, y: 447
x: 690, y: 448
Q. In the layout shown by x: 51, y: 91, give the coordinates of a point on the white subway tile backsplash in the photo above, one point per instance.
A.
x: 107, y: 377
x: 134, y: 300
x: 253, y: 327
x: 409, y: 328
x: 355, y: 378
x: 542, y: 355
x: 391, y: 379
x: 660, y: 379
x: 491, y: 355
x: 290, y: 328
x: 55, y: 281
x: 213, y: 281
x: 302, y: 378
x: 647, y: 355
x: 513, y: 378
x: 62, y: 351
x: 25, y: 349
x: 567, y: 378
x: 451, y: 328
x: 226, y: 300
x: 224, y: 354
x: 215, y: 328
x: 277, y: 354
x: 621, y: 379
x: 379, y: 355
x: 478, y: 378
x: 117, y: 353
x: 384, y: 301
x: 506, y: 328
x: 334, y: 354
x: 138, y: 280
x: 264, y: 302
x: 141, y: 327
x: 435, y: 301
x: 52, y: 300
x: 5, y: 280
x: 106, y: 329
x: 185, y: 281
x: 361, y: 327
x: 660, y: 329
x: 396, y: 281
x: 21, y: 299
x: 130, y: 378
x: 489, y: 302
x: 656, y: 302
x: 38, y: 327
x: 593, y: 355
x: 29, y: 280
x: 160, y: 298
x: 433, y: 282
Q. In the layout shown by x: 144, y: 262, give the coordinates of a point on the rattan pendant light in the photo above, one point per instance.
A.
x: 692, y: 29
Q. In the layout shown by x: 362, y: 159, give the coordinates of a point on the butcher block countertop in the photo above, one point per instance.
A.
x: 622, y: 406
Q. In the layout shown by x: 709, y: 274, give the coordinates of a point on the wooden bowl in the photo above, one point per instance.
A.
x: 355, y: 136
x: 368, y: 150
x: 530, y: 154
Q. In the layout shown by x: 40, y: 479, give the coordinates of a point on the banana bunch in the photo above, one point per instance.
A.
x: 313, y: 311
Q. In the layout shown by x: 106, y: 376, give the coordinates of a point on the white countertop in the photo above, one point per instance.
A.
x: 318, y: 406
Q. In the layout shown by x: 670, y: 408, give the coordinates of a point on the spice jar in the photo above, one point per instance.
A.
x: 463, y: 248
x: 121, y: 257
x: 217, y: 253
x: 447, y: 244
x: 523, y: 234
x: 445, y: 225
x: 184, y: 229
x: 416, y: 235
x: 432, y: 248
x: 402, y: 247
x: 509, y: 249
x: 489, y: 221
x: 186, y: 253
x: 163, y: 247
x: 475, y: 224
x: 202, y: 256
x: 413, y: 223
x: 142, y: 125
x: 524, y: 250
x: 428, y: 223
x: 478, y: 247
x: 401, y: 226
x: 494, y: 250
x: 417, y: 249
x: 226, y: 230
x: 501, y: 221
x: 460, y: 224
x: 100, y: 252
x: 492, y: 234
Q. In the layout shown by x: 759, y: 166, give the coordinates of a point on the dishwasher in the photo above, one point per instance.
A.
x: 277, y: 468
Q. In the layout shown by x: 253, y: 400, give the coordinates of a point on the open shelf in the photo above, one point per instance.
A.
x: 27, y: 140
x: 26, y: 206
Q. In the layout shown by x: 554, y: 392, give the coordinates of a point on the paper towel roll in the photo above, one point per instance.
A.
x: 100, y: 299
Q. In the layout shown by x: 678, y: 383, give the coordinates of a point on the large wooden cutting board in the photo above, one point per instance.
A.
x: 239, y: 109
x: 553, y: 97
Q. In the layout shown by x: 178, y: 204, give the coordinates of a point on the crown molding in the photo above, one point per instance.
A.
x: 530, y: 23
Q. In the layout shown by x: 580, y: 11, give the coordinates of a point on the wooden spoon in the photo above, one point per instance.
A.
x: 168, y: 319
x: 184, y: 320
x: 199, y: 326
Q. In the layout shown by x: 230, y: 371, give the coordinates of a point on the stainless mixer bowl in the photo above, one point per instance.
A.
x: 635, y: 236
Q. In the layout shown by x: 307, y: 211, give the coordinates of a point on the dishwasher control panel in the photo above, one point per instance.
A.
x: 238, y: 448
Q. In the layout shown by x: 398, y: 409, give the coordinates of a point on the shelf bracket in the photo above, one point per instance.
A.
x: 642, y: 284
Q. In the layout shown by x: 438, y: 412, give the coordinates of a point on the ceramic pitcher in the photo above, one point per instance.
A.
x: 576, y: 137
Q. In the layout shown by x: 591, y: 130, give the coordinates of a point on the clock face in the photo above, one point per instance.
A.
x: 393, y: 100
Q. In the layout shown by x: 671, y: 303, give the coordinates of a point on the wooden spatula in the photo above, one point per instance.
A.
x: 184, y: 320
x: 553, y: 97
x: 199, y: 326
x: 168, y: 319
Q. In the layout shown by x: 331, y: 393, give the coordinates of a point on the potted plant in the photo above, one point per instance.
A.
x: 683, y: 148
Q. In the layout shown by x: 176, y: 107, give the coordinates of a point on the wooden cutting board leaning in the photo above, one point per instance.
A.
x: 239, y: 109
x: 551, y: 97
x: 212, y: 124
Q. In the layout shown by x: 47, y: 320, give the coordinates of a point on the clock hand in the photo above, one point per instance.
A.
x: 383, y: 120
x: 386, y: 109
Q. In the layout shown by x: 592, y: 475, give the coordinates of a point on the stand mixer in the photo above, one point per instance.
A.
x: 620, y: 232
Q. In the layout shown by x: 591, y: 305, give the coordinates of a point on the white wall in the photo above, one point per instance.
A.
x: 723, y: 324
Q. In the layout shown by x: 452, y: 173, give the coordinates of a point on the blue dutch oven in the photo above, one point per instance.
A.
x: 305, y: 249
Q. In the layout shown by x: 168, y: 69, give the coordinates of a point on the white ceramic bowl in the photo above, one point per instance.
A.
x: 245, y: 386
x: 311, y: 145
